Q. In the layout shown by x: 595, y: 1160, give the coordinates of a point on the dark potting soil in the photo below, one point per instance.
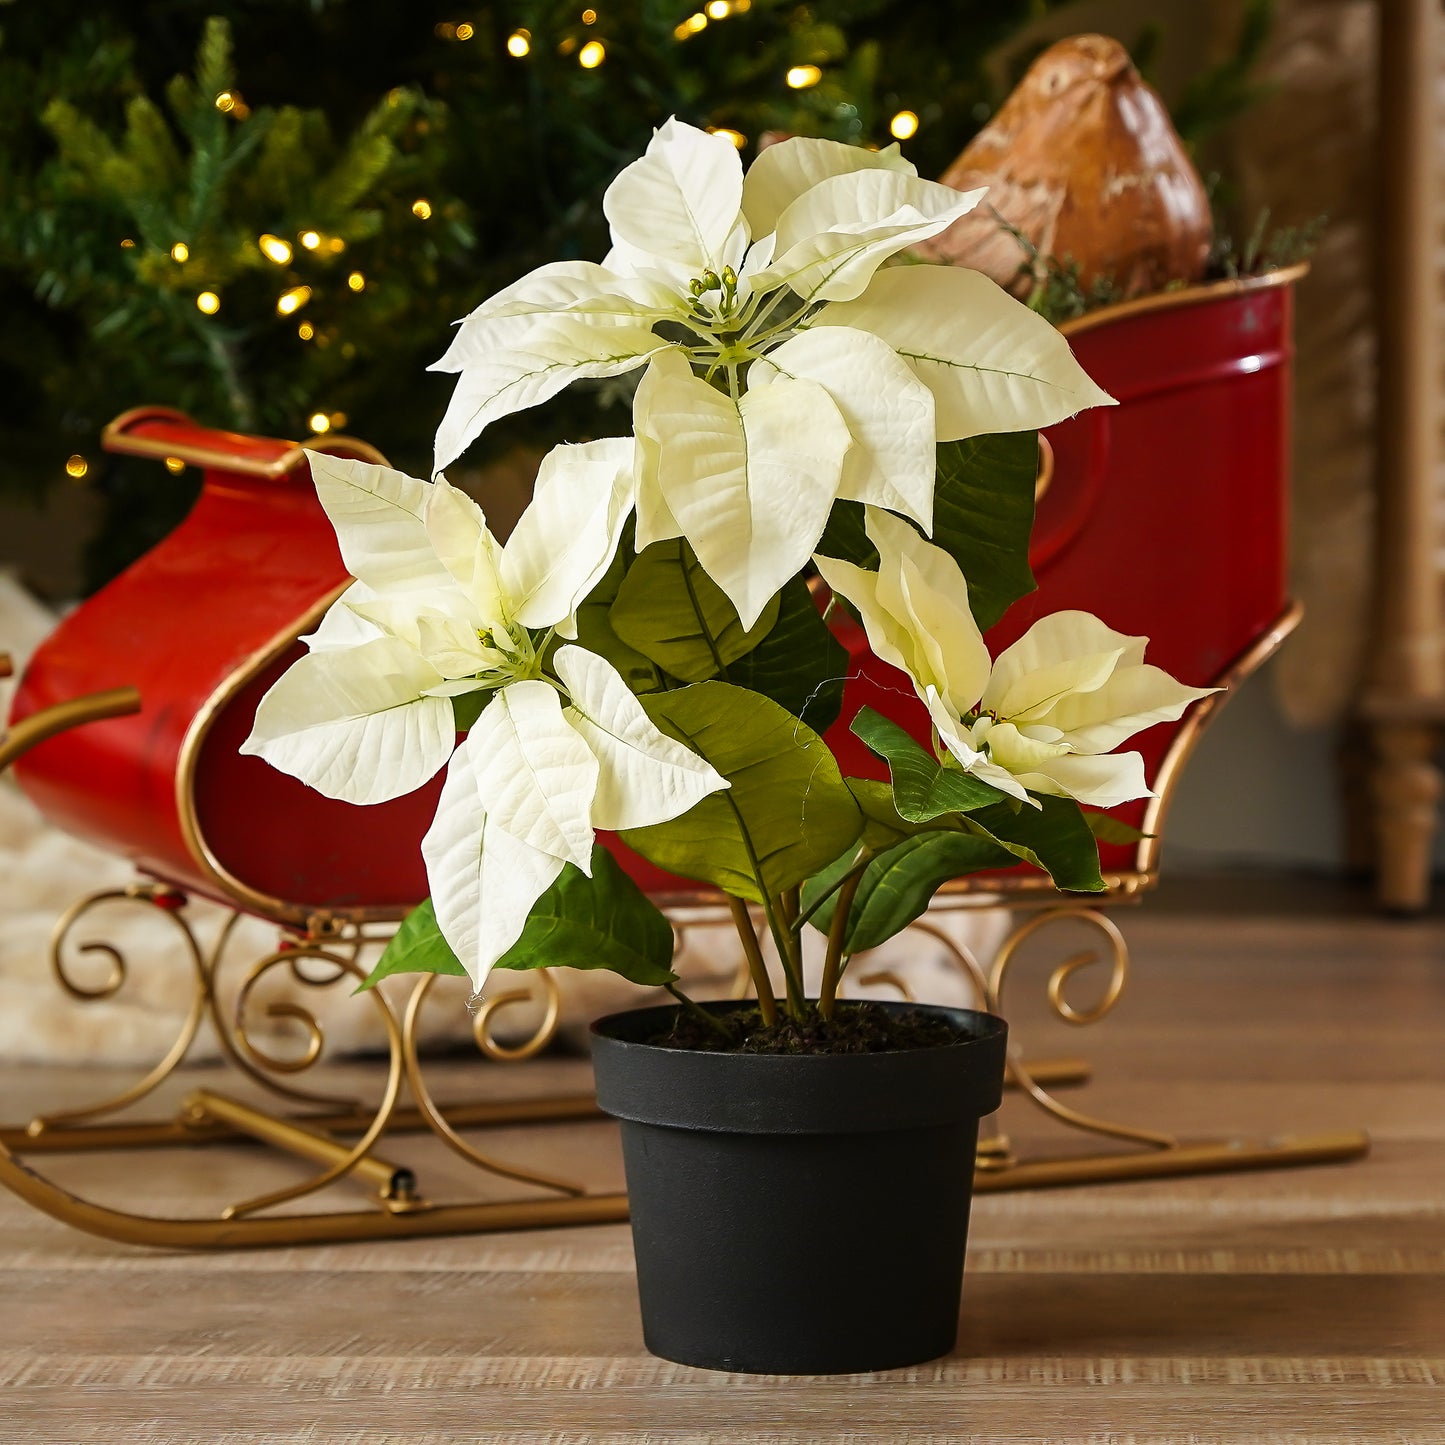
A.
x: 855, y: 1028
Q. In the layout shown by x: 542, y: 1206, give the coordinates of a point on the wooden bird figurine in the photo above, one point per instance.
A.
x: 1083, y: 159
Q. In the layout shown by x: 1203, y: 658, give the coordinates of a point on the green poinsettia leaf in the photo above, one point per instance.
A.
x: 983, y: 514
x: 416, y: 947
x: 1109, y: 829
x: 596, y: 633
x: 845, y: 536
x: 897, y: 886
x: 467, y: 708
x: 883, y: 824
x: 787, y: 811
x: 800, y: 665
x: 1053, y: 837
x: 922, y: 788
x: 669, y: 610
x: 605, y: 921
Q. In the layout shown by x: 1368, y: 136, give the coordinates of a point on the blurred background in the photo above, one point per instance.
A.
x: 268, y: 212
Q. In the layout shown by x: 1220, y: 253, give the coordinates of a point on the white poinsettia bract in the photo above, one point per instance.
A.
x: 439, y: 610
x: 785, y: 370
x: 1045, y: 714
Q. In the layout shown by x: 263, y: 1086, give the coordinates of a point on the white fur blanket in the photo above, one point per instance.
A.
x: 43, y: 871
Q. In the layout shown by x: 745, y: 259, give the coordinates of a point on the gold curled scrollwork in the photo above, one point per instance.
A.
x: 437, y: 1122
x: 255, y: 1058
x: 1058, y: 981
x: 242, y: 1050
x: 487, y: 1010
x: 165, y: 903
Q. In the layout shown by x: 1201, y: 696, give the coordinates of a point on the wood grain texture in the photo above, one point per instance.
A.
x: 1302, y: 1305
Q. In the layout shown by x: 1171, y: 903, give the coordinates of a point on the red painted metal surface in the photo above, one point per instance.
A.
x: 1165, y: 516
x: 255, y: 556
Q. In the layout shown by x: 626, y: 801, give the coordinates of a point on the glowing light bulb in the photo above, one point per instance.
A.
x: 800, y: 77
x: 319, y: 422
x: 338, y: 418
x: 292, y: 300
x: 306, y: 331
x: 719, y: 10
x: 336, y: 245
x: 175, y: 466
x: 741, y: 7
x: 356, y: 281
x: 421, y: 208
x: 592, y: 55
x: 208, y: 302
x: 226, y: 101
x: 180, y: 252
x: 310, y: 239
x: 735, y: 136
x: 76, y: 466
x: 273, y: 248
x: 903, y: 125
x: 127, y: 244
x: 519, y: 43
x: 465, y: 31
x: 696, y: 22
x: 589, y: 17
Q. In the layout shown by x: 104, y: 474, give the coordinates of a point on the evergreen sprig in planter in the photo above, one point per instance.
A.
x: 645, y: 656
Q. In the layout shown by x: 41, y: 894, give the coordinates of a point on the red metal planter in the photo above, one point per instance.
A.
x: 1164, y: 515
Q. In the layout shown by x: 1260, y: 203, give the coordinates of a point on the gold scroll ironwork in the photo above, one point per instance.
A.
x: 344, y: 1136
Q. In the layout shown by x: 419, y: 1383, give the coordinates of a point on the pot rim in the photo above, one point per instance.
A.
x: 718, y: 1091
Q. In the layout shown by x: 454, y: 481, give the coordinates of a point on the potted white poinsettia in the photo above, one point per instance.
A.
x: 645, y: 657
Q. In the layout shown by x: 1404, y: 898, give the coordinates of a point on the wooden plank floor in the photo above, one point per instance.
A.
x: 1304, y: 1305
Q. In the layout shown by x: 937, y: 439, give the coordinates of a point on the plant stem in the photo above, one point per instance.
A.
x: 854, y: 873
x: 837, y: 931
x: 698, y: 1012
x: 783, y: 941
x: 757, y: 969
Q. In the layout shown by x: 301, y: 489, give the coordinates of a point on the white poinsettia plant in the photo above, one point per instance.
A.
x: 648, y: 653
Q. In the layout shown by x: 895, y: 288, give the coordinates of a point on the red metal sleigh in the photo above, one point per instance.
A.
x: 1165, y: 515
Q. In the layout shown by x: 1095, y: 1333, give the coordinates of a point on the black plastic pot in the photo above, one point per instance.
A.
x: 798, y: 1214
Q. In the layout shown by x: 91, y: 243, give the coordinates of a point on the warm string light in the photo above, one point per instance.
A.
x: 306, y: 331
x: 735, y: 136
x: 76, y: 466
x: 691, y: 26
x: 592, y: 55
x: 310, y: 239
x: 356, y: 281
x: 719, y: 10
x: 226, y: 101
x: 421, y: 208
x: 180, y: 252
x: 800, y: 77
x: 904, y: 125
x: 292, y: 300
x: 319, y: 422
x: 127, y: 244
x: 519, y: 43
x: 589, y: 17
x: 465, y: 31
x: 336, y: 245
x: 208, y: 303
x: 273, y: 248
x: 175, y: 466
